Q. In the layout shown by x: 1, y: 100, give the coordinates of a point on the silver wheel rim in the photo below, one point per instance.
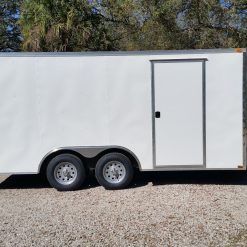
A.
x: 114, y: 172
x: 65, y: 173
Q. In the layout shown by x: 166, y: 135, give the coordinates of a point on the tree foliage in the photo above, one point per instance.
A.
x: 81, y: 25
x: 215, y: 24
x: 189, y: 24
x: 10, y: 37
x: 70, y: 25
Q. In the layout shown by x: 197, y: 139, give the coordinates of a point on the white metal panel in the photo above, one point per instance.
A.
x: 224, y: 110
x: 102, y: 101
x: 178, y: 96
x: 53, y: 101
x: 75, y: 101
x: 19, y: 137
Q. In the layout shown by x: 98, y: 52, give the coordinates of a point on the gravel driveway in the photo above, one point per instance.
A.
x: 160, y: 209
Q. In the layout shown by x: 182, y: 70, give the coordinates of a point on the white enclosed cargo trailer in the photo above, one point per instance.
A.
x: 111, y: 112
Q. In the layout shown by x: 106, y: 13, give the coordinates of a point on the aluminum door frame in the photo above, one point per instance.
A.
x: 179, y: 167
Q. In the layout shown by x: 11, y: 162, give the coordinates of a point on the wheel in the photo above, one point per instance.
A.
x: 66, y: 172
x: 114, y: 171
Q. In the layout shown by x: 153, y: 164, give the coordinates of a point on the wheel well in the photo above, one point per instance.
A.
x: 133, y: 159
x: 90, y: 163
x: 50, y: 156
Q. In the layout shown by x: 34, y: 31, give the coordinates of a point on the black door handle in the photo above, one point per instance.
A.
x: 157, y: 114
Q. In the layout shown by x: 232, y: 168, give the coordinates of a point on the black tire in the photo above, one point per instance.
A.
x: 105, y: 161
x: 63, y: 160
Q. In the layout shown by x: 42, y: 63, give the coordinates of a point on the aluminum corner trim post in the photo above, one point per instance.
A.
x: 245, y: 110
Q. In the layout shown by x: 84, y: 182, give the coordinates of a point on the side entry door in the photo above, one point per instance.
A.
x: 179, y: 113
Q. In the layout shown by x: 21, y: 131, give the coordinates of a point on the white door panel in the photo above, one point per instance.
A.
x: 178, y: 88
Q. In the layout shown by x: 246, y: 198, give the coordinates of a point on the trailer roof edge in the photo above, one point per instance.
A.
x: 120, y: 53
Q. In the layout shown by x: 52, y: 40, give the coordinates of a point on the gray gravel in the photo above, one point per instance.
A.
x: 171, y: 209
